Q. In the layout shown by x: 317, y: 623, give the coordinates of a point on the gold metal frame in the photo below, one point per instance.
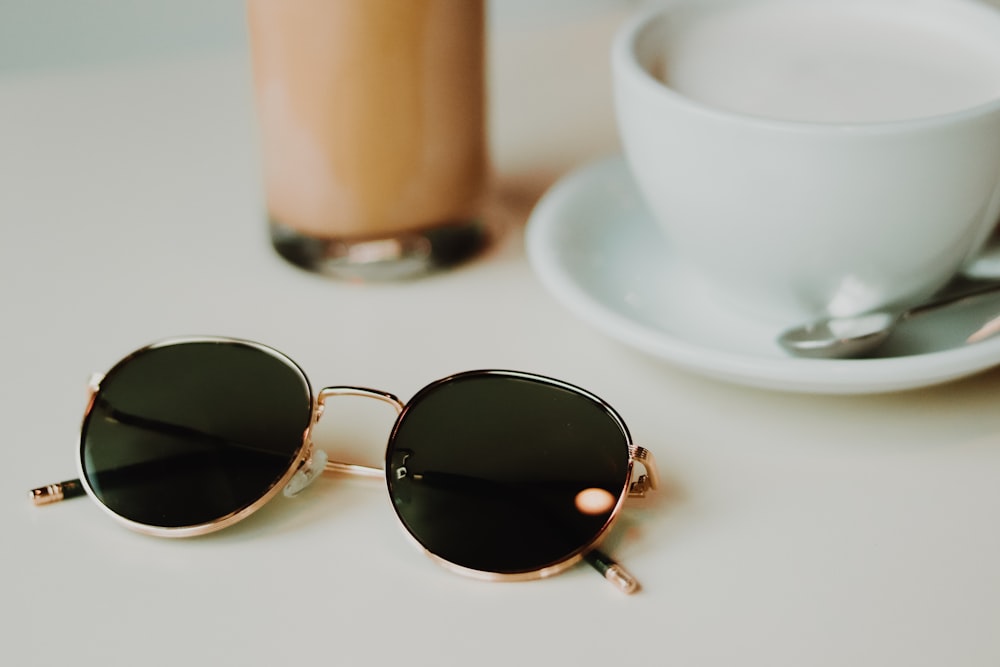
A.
x: 303, y: 461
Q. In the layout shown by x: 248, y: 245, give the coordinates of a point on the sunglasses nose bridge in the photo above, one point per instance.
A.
x: 363, y: 392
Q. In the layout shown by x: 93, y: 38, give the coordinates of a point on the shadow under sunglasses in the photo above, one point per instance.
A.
x: 494, y: 474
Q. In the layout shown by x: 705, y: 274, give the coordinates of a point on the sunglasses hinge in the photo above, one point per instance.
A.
x: 648, y: 480
x: 638, y: 488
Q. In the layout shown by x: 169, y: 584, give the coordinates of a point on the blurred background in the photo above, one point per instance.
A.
x: 107, y: 34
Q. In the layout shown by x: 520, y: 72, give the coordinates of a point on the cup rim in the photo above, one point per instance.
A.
x: 625, y: 65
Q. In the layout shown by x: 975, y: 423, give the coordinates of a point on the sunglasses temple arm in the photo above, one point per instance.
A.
x: 72, y: 488
x: 53, y: 493
x: 608, y: 568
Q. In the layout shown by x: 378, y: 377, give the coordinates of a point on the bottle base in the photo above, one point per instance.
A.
x: 382, y: 258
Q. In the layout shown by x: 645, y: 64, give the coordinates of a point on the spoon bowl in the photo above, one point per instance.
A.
x: 839, y: 337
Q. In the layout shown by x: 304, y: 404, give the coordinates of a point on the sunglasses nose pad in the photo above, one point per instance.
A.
x: 306, y: 474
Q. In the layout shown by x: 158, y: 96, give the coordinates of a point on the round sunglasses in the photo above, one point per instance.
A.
x: 494, y: 474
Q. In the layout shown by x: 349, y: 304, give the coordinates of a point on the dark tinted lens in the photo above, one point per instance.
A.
x: 506, y: 473
x: 188, y: 433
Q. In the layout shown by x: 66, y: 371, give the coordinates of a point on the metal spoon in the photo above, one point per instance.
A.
x: 845, y: 337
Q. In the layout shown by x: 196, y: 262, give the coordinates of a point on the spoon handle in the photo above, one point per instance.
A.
x: 988, y: 330
x: 952, y: 298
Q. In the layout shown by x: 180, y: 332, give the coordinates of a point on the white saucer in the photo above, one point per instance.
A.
x: 596, y: 249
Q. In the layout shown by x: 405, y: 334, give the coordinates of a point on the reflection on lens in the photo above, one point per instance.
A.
x: 189, y: 433
x: 594, y: 501
x: 485, y: 470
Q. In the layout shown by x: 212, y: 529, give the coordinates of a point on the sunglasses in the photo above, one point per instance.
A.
x: 494, y: 474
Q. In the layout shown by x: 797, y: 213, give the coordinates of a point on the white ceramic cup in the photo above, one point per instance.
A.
x: 805, y: 205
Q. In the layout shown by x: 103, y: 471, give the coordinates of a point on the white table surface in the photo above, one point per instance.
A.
x: 791, y: 530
